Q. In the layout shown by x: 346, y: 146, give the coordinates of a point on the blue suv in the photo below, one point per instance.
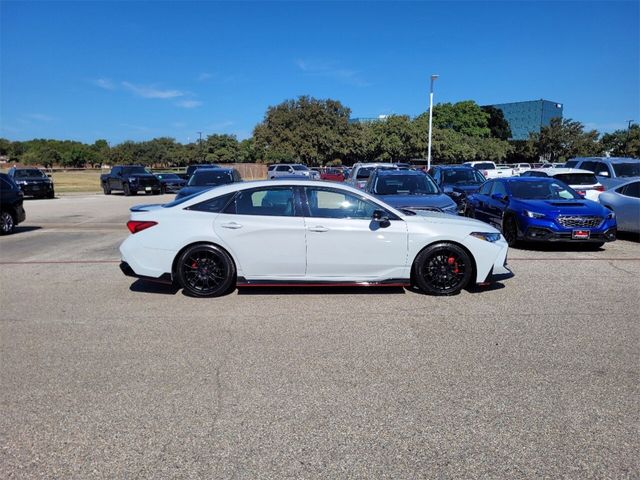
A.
x: 457, y: 181
x: 541, y: 209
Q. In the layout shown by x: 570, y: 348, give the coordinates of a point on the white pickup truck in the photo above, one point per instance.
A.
x: 491, y: 170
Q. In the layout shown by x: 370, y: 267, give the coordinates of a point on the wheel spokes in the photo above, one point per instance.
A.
x: 204, y: 271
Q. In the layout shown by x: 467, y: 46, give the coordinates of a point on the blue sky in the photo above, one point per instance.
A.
x: 135, y: 70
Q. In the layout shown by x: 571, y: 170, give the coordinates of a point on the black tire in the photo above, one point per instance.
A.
x: 469, y: 211
x: 442, y: 269
x: 51, y: 194
x: 206, y: 270
x: 106, y: 189
x: 126, y: 189
x: 163, y: 190
x: 510, y: 230
x: 7, y: 223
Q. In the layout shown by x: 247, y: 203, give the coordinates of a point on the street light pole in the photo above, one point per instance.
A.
x: 626, y: 143
x: 433, y: 77
x: 200, y: 144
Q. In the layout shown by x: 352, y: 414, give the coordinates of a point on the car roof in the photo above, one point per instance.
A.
x: 221, y: 169
x: 384, y: 172
x: 374, y: 164
x: 560, y: 170
x: 455, y: 167
x: 523, y: 179
x: 608, y: 159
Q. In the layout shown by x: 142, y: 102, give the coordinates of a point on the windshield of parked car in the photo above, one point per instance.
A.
x: 627, y: 169
x: 209, y: 178
x: 577, y: 178
x: 542, y: 190
x: 130, y: 170
x: 404, y: 185
x: 168, y: 176
x: 467, y: 176
x: 485, y: 166
x: 299, y: 167
x: 29, y: 172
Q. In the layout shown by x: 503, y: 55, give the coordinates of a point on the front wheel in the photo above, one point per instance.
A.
x: 106, y: 189
x: 126, y: 189
x: 7, y: 224
x: 510, y: 231
x: 206, y: 271
x: 442, y: 269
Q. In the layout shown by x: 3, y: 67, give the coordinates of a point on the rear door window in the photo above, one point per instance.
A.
x: 273, y: 202
x: 631, y: 190
x: 486, y: 188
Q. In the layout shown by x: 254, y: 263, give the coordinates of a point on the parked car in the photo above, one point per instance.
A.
x: 457, y: 181
x: 519, y: 168
x: 361, y: 171
x: 192, y: 168
x: 170, y: 182
x: 582, y: 181
x: 491, y: 170
x: 207, y: 178
x: 333, y: 174
x: 285, y: 233
x: 541, y: 209
x: 11, y: 210
x: 131, y: 179
x: 296, y: 169
x: 33, y: 182
x: 409, y: 189
x: 611, y: 171
x: 624, y: 200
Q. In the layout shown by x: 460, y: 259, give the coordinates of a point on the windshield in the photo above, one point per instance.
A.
x: 485, y: 166
x: 208, y: 178
x: 129, y: 170
x: 467, y: 176
x: 542, y: 190
x: 577, y: 178
x: 29, y: 172
x: 627, y: 169
x: 404, y: 185
x: 168, y: 176
x: 299, y: 167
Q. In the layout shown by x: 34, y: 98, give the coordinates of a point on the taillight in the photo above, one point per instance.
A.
x: 600, y: 188
x: 485, y: 172
x: 136, y: 226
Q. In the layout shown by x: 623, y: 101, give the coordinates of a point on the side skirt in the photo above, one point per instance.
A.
x: 392, y: 282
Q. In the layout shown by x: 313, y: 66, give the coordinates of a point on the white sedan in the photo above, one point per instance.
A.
x: 300, y: 232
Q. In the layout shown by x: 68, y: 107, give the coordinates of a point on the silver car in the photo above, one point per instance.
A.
x: 624, y: 200
x: 291, y: 169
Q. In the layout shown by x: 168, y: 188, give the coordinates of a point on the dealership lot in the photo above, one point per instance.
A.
x: 106, y: 377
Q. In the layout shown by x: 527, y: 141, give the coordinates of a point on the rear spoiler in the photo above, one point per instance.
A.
x: 145, y: 207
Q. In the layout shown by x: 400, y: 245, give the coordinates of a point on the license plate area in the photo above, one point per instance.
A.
x: 148, y: 189
x: 581, y: 234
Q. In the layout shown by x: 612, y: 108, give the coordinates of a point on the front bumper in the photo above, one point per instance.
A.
x: 36, y: 189
x: 544, y: 230
x: 172, y: 187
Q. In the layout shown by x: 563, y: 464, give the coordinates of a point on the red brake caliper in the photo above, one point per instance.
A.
x: 452, y: 261
x: 194, y: 265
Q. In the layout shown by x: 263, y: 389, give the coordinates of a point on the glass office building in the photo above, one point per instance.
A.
x: 528, y: 117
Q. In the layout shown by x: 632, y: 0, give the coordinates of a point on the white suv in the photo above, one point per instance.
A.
x: 361, y: 171
x: 291, y: 169
x: 582, y: 181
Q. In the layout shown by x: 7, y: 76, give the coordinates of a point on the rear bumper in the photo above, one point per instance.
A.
x: 128, y: 271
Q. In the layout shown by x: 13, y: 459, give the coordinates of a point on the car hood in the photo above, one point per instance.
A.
x: 454, y: 220
x: 400, y: 201
x: 173, y: 181
x: 564, y: 207
x: 141, y: 175
x: 466, y: 189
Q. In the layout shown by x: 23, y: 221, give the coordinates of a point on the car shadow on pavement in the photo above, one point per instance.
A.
x: 557, y: 247
x: 474, y: 288
x: 319, y: 290
x: 144, y: 286
x: 629, y: 236
x: 26, y: 229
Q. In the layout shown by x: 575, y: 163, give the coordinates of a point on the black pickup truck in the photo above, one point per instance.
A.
x: 131, y: 179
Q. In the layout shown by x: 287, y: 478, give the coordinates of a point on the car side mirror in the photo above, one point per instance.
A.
x: 381, y: 217
x: 603, y: 174
x: 500, y: 197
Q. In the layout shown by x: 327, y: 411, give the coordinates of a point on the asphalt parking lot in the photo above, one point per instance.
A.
x: 103, y: 376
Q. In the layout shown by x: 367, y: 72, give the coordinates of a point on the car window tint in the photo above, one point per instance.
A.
x: 577, y: 178
x: 601, y: 167
x: 274, y: 202
x: 632, y: 190
x: 213, y: 205
x: 571, y: 163
x: 486, y: 188
x: 498, y: 189
x: 282, y: 168
x: 337, y: 204
x: 589, y: 165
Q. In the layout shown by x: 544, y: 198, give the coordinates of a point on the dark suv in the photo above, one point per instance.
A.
x: 11, y: 210
x: 32, y: 181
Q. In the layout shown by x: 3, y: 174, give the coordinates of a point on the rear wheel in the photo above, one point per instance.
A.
x: 206, y: 271
x: 106, y: 189
x: 510, y: 231
x: 7, y: 223
x: 442, y: 269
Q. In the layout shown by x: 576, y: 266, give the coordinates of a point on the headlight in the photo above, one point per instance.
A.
x: 534, y: 214
x: 489, y: 237
x: 133, y: 179
x: 611, y: 215
x: 21, y: 182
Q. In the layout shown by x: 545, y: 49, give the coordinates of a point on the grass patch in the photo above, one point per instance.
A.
x: 81, y: 181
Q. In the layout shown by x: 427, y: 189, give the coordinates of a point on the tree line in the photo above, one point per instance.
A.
x: 319, y: 132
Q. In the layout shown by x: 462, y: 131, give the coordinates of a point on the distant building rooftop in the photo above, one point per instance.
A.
x: 529, y: 117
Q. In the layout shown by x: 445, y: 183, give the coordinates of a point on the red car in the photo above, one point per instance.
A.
x: 333, y: 174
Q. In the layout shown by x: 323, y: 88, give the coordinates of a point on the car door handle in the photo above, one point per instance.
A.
x: 318, y: 228
x: 231, y: 225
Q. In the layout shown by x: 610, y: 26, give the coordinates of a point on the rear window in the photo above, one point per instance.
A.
x: 364, y: 172
x: 485, y: 166
x: 210, y: 178
x: 577, y: 178
x: 627, y: 169
x: 571, y: 163
x: 300, y: 168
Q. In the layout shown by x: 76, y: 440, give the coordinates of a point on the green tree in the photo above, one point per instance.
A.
x: 464, y: 117
x: 622, y: 143
x: 564, y: 139
x: 221, y: 148
x: 306, y: 129
x: 497, y: 123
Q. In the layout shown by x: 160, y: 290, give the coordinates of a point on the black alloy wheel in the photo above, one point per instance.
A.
x: 510, y: 230
x: 127, y: 190
x: 442, y: 269
x: 7, y: 224
x: 206, y: 271
x: 106, y: 189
